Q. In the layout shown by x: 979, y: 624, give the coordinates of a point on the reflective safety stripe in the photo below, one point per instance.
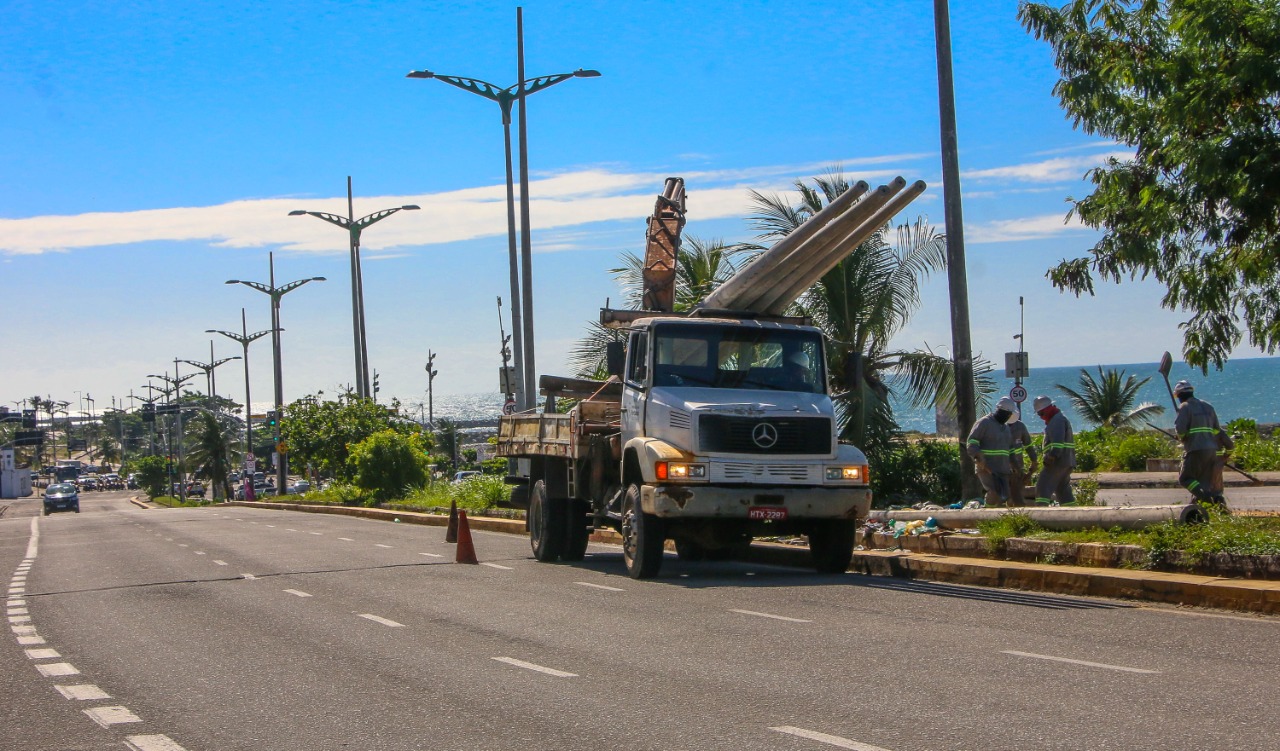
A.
x: 1193, y: 485
x: 1060, y: 446
x: 997, y: 452
x: 974, y: 442
x: 1202, y: 430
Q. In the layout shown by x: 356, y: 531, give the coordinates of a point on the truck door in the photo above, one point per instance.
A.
x: 636, y: 379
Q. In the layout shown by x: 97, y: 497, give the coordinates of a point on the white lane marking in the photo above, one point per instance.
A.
x: 348, y: 539
x: 297, y: 593
x: 494, y: 565
x: 19, y: 619
x: 108, y: 716
x: 432, y: 555
x: 168, y: 539
x: 830, y: 740
x: 152, y: 743
x: 29, y: 641
x: 249, y: 577
x: 183, y: 545
x: 17, y: 611
x: 382, y: 546
x: 379, y: 619
x: 600, y: 586
x: 771, y: 615
x: 54, y: 669
x: 33, y: 544
x: 1085, y: 663
x: 42, y: 654
x: 220, y: 563
x: 317, y: 533
x: 290, y: 529
x: 17, y: 590
x: 15, y: 602
x: 199, y: 552
x: 271, y: 525
x: 23, y: 630
x: 1171, y: 611
x: 83, y: 692
x: 538, y: 668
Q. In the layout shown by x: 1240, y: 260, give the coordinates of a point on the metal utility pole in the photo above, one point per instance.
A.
x: 530, y: 374
x: 210, y: 378
x: 245, y: 339
x: 354, y: 227
x: 957, y: 279
x: 282, y: 466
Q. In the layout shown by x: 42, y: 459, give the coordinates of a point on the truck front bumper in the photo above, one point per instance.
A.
x: 737, y: 502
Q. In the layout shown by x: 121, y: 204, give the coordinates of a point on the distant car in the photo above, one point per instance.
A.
x: 460, y: 476
x: 195, y: 489
x: 260, y: 489
x: 298, y: 488
x: 61, y: 496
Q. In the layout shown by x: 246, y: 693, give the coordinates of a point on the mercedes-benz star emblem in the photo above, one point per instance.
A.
x: 764, y: 435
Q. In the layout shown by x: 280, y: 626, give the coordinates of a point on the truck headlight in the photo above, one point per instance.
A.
x: 856, y: 473
x: 680, y: 471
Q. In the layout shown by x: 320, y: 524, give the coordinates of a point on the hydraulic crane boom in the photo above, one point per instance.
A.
x: 662, y: 245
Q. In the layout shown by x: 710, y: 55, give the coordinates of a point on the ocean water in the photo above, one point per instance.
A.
x: 1244, y: 388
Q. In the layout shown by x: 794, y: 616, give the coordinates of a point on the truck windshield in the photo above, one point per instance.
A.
x: 738, y: 357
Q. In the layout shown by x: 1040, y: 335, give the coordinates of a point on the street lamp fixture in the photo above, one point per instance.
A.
x: 275, y: 293
x: 521, y: 293
x: 245, y: 339
x: 354, y: 227
x: 211, y: 382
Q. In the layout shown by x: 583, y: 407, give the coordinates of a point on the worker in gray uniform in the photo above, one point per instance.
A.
x: 1198, y: 429
x: 1022, y: 458
x: 990, y: 444
x: 1058, y: 455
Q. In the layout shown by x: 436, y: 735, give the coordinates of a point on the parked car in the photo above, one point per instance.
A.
x: 260, y: 489
x: 61, y: 496
x: 195, y: 489
x: 460, y: 476
x: 298, y: 488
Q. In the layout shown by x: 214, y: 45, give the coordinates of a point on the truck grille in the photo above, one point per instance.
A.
x: 764, y: 435
x: 761, y: 473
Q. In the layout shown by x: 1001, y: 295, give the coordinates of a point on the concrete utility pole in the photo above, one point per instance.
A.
x: 957, y: 279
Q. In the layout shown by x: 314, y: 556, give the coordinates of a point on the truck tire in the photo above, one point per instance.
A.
x: 831, y: 545
x: 642, y: 537
x: 547, y: 524
x: 577, y: 529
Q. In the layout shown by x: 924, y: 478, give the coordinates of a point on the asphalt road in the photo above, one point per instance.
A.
x: 1265, y: 498
x: 228, y: 629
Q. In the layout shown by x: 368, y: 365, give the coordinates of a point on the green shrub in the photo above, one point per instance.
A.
x: 1091, y: 447
x: 153, y: 475
x: 1086, y: 491
x: 1131, y: 451
x: 1223, y: 533
x: 476, y: 493
x: 917, y: 471
x: 387, y: 462
x: 1242, y: 426
x: 1256, y: 454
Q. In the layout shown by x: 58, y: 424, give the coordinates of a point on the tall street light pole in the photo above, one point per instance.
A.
x: 522, y: 335
x: 275, y: 293
x: 174, y: 395
x: 957, y: 280
x: 431, y: 380
x: 210, y: 378
x: 245, y: 339
x: 354, y: 227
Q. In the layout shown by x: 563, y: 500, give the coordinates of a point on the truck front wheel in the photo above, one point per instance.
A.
x: 547, y: 524
x: 831, y: 545
x: 642, y: 537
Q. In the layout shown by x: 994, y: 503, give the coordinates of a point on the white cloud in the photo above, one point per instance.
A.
x: 1059, y: 169
x: 1027, y: 228
x: 558, y: 201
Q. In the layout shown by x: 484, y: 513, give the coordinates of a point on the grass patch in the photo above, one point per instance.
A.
x: 477, y: 493
x: 1012, y: 524
x: 170, y: 501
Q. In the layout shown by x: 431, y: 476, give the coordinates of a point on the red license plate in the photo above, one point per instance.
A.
x: 767, y: 513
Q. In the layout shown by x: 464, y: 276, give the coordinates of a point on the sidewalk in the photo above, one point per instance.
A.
x: 1170, y: 479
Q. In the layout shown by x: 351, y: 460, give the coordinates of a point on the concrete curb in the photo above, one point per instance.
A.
x: 141, y: 504
x: 1247, y: 595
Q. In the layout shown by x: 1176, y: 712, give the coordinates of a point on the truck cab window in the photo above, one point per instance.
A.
x: 637, y: 364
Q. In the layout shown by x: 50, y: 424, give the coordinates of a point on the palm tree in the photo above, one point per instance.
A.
x: 211, y: 449
x: 1108, y: 401
x: 861, y: 304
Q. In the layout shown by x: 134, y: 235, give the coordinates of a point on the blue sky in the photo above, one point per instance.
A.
x: 153, y: 150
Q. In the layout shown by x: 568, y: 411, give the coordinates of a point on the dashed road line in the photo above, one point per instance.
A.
x: 25, y: 629
x: 297, y: 593
x: 152, y: 743
x: 600, y: 586
x: 183, y: 545
x: 347, y: 539
x: 1085, y: 663
x: 271, y: 525
x: 536, y: 668
x: 56, y: 669
x: 42, y: 654
x: 771, y: 615
x: 317, y: 533
x: 383, y: 546
x: 108, y: 716
x: 83, y: 692
x: 17, y: 611
x: 249, y: 577
x: 497, y: 566
x: 380, y: 619
x: 432, y: 555
x: 220, y: 563
x: 830, y: 740
x: 31, y: 640
x: 199, y: 552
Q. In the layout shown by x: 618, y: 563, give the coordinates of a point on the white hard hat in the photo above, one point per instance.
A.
x: 798, y: 358
x: 1007, y: 404
x: 1041, y: 402
x: 1183, y: 387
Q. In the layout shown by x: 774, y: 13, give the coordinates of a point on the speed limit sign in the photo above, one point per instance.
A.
x: 509, y: 408
x: 1018, y: 394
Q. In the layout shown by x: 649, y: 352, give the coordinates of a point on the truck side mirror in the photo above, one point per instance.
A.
x: 615, y: 358
x: 852, y: 371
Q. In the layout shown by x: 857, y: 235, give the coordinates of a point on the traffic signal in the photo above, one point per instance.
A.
x: 273, y: 420
x: 29, y: 419
x: 376, y: 387
x: 148, y: 412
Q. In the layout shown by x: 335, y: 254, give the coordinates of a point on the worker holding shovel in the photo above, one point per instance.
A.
x: 1201, y: 435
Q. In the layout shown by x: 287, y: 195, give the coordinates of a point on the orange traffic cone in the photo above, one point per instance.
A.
x: 466, y: 550
x: 451, y: 532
